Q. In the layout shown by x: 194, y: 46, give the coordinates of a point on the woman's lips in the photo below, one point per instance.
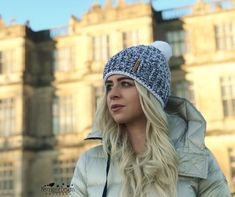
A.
x: 116, y: 107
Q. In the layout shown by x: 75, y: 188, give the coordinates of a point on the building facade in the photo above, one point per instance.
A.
x: 51, y: 80
x: 203, y: 70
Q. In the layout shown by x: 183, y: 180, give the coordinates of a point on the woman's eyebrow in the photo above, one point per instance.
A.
x: 124, y: 78
x: 119, y: 79
x: 108, y: 81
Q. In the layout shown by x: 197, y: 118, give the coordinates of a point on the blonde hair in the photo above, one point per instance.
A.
x: 156, y: 167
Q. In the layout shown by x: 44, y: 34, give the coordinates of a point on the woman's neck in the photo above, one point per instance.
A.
x: 137, y: 135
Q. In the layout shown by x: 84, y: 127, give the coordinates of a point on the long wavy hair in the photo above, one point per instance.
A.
x: 153, y: 170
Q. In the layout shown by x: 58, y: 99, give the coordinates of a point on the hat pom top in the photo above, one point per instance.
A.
x: 164, y: 47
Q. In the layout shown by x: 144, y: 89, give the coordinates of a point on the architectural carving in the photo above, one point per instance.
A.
x: 201, y: 7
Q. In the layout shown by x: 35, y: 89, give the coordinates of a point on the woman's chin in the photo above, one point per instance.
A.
x: 120, y: 121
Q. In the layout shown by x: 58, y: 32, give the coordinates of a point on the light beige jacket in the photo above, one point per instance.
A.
x: 199, y: 173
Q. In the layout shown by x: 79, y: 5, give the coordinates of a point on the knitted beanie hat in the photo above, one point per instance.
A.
x: 147, y: 64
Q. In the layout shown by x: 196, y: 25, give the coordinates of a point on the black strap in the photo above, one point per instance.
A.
x: 107, y: 172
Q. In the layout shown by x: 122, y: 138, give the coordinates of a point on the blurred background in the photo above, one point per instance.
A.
x: 51, y: 59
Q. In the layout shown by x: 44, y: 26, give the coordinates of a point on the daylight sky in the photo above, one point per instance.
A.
x: 45, y: 14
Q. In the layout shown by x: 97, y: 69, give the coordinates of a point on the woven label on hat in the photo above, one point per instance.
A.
x: 136, y: 66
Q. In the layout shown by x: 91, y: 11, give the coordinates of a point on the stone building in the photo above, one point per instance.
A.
x: 50, y: 82
x: 203, y: 70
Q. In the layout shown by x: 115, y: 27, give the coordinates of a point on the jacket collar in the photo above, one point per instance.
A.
x: 94, y: 135
x: 187, y: 131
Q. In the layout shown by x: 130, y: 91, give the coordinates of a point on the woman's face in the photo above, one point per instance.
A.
x: 123, y: 100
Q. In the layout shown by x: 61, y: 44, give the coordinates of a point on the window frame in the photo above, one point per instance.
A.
x: 7, y: 178
x: 63, y: 59
x: 225, y: 36
x: 63, y: 170
x: 7, y: 61
x: 101, y: 47
x: 7, y: 116
x: 63, y: 114
x: 131, y: 38
x: 227, y: 88
x: 187, y: 90
x: 177, y: 39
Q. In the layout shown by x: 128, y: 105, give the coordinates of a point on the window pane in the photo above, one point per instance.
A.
x: 227, y: 93
x: 131, y: 38
x: 63, y: 171
x: 55, y: 111
x: 7, y: 116
x: 177, y: 40
x: 233, y: 106
x: 63, y: 114
x: 7, y: 178
x: 101, y: 48
x: 63, y: 59
x: 184, y: 89
x: 224, y: 36
x: 8, y: 61
x: 99, y: 91
x: 225, y: 105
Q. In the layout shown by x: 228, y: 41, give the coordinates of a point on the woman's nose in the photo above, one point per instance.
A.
x: 114, y: 92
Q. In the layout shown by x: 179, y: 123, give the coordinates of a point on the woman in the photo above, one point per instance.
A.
x: 152, y: 144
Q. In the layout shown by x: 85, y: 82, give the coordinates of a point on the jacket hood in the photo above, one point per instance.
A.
x: 187, y: 131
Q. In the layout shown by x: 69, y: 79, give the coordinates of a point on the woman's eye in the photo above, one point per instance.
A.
x: 126, y: 84
x: 108, y: 87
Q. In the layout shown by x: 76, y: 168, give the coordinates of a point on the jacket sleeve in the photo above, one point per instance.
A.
x: 215, y: 185
x: 78, y: 186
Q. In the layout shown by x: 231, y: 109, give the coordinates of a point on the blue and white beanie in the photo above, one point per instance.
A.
x: 147, y: 64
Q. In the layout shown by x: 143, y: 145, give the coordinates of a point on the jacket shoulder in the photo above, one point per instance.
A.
x: 215, y: 184
x: 94, y: 152
x: 88, y: 171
